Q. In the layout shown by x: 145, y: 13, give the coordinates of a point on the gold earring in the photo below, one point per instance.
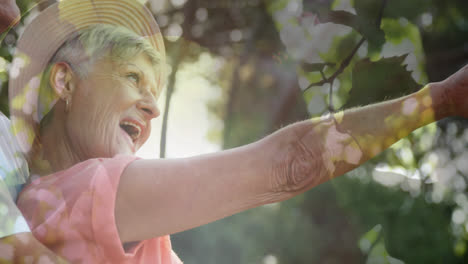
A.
x: 67, y: 105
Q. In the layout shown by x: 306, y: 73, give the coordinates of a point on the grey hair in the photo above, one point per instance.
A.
x: 88, y: 46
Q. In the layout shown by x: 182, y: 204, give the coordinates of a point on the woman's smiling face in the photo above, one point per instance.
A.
x: 111, y: 109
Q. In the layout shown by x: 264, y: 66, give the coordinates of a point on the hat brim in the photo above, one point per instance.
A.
x: 47, y: 32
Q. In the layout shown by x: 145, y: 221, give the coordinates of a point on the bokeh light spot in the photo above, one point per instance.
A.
x: 270, y: 259
x: 178, y: 3
x: 201, y: 14
x: 174, y: 32
x: 236, y: 35
x: 458, y: 216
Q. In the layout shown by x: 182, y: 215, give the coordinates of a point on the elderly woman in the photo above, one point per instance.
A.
x: 83, y: 90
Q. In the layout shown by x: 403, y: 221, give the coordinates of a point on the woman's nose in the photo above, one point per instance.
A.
x: 148, y: 106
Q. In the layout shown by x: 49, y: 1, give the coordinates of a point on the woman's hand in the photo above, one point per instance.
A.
x: 454, y: 90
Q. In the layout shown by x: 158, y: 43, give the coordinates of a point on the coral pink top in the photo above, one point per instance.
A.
x: 72, y: 213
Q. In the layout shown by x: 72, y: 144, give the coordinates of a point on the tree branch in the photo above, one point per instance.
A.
x: 381, y: 12
x: 331, y: 108
x: 330, y: 92
x: 170, y: 91
x: 345, y: 62
x: 342, y: 67
x: 180, y: 51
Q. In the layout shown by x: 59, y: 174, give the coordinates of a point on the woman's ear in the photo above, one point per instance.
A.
x: 61, y: 80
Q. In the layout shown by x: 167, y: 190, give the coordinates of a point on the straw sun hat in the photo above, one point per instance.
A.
x: 46, y: 33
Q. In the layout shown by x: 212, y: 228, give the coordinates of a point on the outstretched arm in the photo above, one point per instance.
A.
x: 158, y: 197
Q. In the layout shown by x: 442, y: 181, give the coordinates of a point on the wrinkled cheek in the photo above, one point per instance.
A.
x: 111, y: 140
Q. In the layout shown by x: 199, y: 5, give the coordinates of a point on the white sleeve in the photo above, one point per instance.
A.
x: 13, y: 166
x: 13, y: 174
x: 11, y: 219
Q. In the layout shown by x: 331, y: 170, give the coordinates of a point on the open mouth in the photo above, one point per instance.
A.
x: 131, y: 129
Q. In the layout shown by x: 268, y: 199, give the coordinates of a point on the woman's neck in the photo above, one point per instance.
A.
x: 54, y: 152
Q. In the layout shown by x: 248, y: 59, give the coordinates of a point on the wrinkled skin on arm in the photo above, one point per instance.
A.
x: 297, y: 158
x: 168, y: 196
x: 321, y: 149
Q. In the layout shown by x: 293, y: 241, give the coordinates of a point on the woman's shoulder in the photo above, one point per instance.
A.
x: 116, y: 162
x: 91, y: 165
x: 81, y: 175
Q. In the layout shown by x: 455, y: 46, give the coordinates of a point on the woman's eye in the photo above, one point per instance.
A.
x: 133, y: 77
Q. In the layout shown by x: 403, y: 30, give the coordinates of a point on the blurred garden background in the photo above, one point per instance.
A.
x: 240, y: 69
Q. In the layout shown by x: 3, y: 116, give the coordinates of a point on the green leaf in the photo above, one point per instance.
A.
x: 369, y: 238
x: 368, y: 12
x: 366, y: 26
x: 344, y: 18
x: 379, y: 81
x: 460, y: 248
x: 368, y: 8
x: 410, y: 10
x: 340, y: 47
x: 5, y: 53
x: 4, y: 99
